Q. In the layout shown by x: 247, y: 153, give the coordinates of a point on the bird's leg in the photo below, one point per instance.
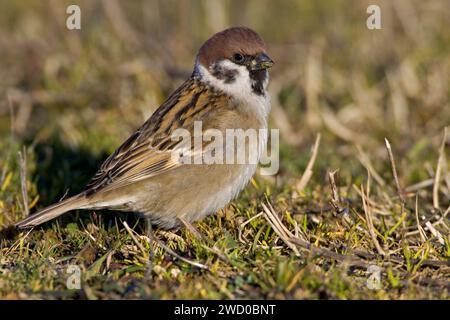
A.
x: 210, y: 247
x: 150, y: 236
x: 191, y: 228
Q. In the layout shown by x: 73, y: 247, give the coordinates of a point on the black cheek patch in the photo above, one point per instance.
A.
x: 258, y: 77
x: 227, y: 75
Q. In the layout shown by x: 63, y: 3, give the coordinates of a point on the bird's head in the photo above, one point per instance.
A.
x: 235, y: 58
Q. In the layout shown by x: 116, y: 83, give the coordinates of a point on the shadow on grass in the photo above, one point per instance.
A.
x: 61, y: 172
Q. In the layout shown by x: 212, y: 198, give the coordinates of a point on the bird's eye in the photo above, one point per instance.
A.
x: 239, y: 58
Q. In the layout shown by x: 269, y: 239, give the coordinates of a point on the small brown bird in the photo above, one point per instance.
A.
x: 147, y: 174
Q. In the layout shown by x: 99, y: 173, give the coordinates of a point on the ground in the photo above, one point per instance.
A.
x: 349, y: 215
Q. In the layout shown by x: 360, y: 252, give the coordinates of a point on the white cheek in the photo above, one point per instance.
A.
x: 240, y: 89
x: 241, y: 85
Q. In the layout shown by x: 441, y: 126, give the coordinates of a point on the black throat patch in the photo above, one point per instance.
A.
x: 258, y: 78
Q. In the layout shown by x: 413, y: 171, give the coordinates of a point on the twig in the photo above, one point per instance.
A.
x: 372, y: 203
x: 293, y: 242
x: 93, y: 239
x: 242, y: 225
x: 23, y: 180
x: 422, y: 234
x: 135, y: 240
x: 437, y: 175
x: 18, y: 242
x: 176, y: 255
x: 370, y: 223
x: 365, y: 161
x: 279, y: 227
x: 308, y: 171
x: 394, y: 171
x: 420, y: 185
x: 352, y: 259
x: 162, y: 245
x: 439, y: 221
x: 335, y: 201
x: 435, y: 233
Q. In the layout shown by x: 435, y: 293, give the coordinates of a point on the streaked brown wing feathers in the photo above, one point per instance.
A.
x: 148, y: 151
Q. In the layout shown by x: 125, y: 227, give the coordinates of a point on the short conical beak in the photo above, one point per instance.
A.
x: 261, y: 61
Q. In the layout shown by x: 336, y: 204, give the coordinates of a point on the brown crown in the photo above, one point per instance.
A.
x: 226, y: 43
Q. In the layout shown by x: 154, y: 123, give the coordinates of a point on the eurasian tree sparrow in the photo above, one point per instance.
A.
x: 227, y: 90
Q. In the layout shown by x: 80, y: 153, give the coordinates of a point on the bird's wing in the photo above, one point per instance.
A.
x: 149, y: 151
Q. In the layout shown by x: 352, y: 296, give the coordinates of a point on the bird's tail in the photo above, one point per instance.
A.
x: 53, y: 211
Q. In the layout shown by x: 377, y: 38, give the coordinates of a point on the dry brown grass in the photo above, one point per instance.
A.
x: 375, y: 191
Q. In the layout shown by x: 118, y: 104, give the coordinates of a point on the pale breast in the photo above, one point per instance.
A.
x: 194, y: 191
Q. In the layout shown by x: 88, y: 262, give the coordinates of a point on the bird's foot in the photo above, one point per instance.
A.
x: 192, y: 229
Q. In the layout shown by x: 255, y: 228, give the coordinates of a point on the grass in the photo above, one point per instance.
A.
x: 68, y: 98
